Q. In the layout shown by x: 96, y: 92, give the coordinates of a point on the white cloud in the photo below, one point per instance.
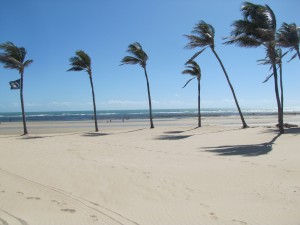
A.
x: 54, y: 103
x: 33, y: 104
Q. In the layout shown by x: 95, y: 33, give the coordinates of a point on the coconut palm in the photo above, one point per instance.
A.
x: 288, y: 36
x: 193, y: 69
x: 258, y: 28
x: 13, y: 57
x: 138, y: 56
x: 267, y: 61
x: 204, y: 37
x: 83, y: 62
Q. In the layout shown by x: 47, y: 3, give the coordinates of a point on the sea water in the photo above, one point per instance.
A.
x: 129, y: 114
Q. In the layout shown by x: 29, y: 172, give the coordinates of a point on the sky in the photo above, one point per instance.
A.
x: 52, y: 31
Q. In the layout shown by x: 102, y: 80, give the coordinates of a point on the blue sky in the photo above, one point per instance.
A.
x: 52, y: 31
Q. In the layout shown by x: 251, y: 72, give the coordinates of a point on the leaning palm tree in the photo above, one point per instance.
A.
x: 204, y: 37
x: 83, y: 62
x: 258, y: 28
x: 193, y: 69
x: 288, y: 36
x: 13, y: 57
x: 267, y: 61
x: 138, y: 56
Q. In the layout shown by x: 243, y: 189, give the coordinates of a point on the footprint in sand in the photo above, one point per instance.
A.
x: 2, y: 191
x: 240, y: 222
x: 20, y: 193
x: 204, y: 205
x: 57, y: 202
x: 94, y: 217
x: 68, y: 210
x: 213, y: 216
x: 34, y: 198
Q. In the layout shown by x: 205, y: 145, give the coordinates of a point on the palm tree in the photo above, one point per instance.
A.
x: 258, y: 28
x: 204, y: 37
x: 267, y: 61
x: 194, y: 70
x: 13, y: 57
x: 138, y: 56
x: 83, y: 62
x: 288, y: 36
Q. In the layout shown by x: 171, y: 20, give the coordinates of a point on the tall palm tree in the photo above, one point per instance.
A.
x: 258, y: 28
x: 83, y: 62
x: 138, y: 56
x: 267, y: 61
x: 288, y: 36
x: 13, y: 57
x: 203, y: 37
x: 193, y: 69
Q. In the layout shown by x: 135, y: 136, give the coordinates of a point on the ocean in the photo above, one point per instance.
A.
x: 129, y: 114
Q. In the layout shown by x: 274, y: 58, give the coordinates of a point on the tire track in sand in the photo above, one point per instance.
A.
x: 115, y: 217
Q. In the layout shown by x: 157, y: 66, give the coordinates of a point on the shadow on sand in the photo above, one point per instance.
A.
x: 180, y: 131
x: 94, y: 134
x: 244, y: 150
x: 172, y: 137
x: 130, y: 131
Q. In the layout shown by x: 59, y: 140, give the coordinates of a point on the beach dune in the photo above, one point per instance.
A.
x: 170, y: 175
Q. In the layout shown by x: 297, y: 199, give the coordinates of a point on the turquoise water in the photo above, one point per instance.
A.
x: 125, y: 114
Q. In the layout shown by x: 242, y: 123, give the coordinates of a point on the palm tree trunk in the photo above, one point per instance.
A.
x: 94, y: 103
x: 149, y: 99
x: 280, y: 118
x: 298, y: 53
x: 281, y: 90
x: 232, y: 90
x: 199, y: 111
x: 22, y: 104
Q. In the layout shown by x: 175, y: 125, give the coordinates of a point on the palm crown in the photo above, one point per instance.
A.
x: 204, y: 36
x: 14, y: 57
x: 193, y: 69
x: 257, y: 27
x: 138, y: 55
x: 80, y: 62
x: 288, y: 36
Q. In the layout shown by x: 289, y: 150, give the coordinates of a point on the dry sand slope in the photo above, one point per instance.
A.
x: 163, y: 176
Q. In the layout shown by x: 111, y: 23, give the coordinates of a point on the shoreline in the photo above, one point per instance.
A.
x: 44, y: 127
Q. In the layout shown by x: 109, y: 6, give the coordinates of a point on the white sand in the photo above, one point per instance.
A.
x: 170, y: 175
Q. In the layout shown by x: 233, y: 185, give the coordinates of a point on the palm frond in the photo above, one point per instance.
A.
x: 244, y: 41
x: 195, y: 55
x: 130, y: 60
x: 138, y: 55
x: 13, y: 51
x: 257, y: 27
x: 288, y: 36
x: 27, y: 63
x: 81, y: 61
x: 294, y: 56
x: 84, y: 57
x: 203, y: 36
x: 192, y: 68
x: 76, y: 68
x: 268, y: 77
x: 12, y: 56
x: 188, y: 82
x: 189, y: 72
x: 9, y: 62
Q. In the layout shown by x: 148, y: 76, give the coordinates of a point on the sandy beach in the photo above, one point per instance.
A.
x: 220, y: 174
